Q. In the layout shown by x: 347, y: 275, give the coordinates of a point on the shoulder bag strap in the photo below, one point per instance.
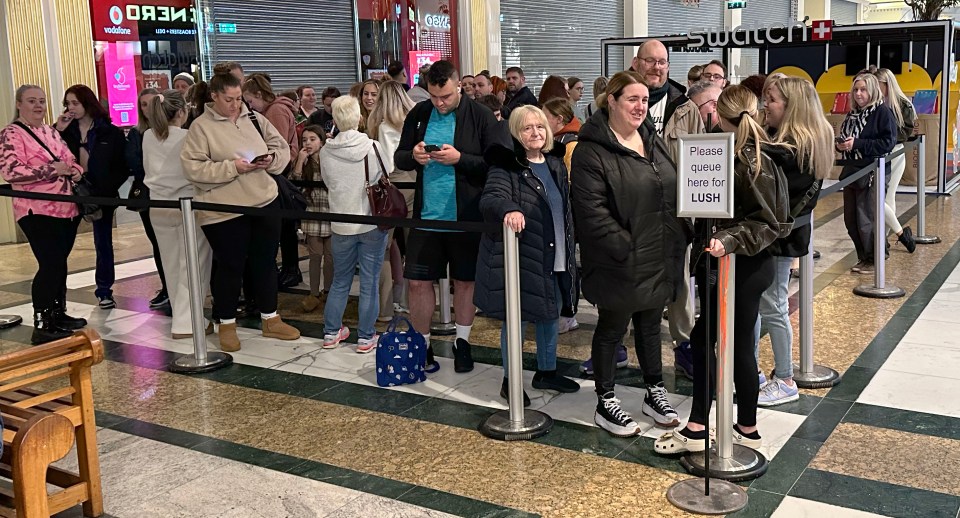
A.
x: 30, y: 132
x: 256, y: 124
x: 383, y: 168
x: 811, y: 193
x: 366, y: 170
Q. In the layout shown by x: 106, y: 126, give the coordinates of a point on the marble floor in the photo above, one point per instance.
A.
x: 291, y: 429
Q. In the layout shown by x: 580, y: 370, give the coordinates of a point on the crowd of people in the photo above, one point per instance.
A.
x: 591, y: 191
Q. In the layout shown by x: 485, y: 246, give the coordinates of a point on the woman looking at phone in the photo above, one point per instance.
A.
x: 228, y: 159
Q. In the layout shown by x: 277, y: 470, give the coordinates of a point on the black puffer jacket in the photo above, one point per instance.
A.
x: 512, y: 186
x: 799, y: 181
x: 755, y: 224
x: 107, y: 167
x: 625, y: 207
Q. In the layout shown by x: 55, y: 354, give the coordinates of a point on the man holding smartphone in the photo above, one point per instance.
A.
x: 443, y: 139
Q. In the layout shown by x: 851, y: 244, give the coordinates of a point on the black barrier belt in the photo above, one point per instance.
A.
x: 465, y: 226
x: 319, y: 183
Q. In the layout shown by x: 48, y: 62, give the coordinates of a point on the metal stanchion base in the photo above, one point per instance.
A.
x: 725, y: 497
x: 926, y: 240
x: 819, y: 377
x: 871, y: 291
x: 744, y: 464
x: 498, y: 426
x: 188, y: 364
x: 442, y: 329
x: 10, y: 321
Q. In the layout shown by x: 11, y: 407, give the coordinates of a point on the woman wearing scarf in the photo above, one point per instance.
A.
x: 869, y: 131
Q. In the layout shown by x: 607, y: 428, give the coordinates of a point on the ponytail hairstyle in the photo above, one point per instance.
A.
x: 259, y: 84
x: 222, y: 80
x: 162, y: 110
x: 738, y: 106
x: 19, y: 97
x: 895, y: 95
x: 142, y: 126
x: 804, y: 126
x: 615, y: 87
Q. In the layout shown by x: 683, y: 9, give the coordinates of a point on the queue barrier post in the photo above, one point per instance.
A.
x: 7, y: 321
x: 922, y: 238
x: 202, y: 360
x: 807, y: 374
x: 516, y: 423
x: 879, y: 290
x: 727, y: 461
x: 445, y: 326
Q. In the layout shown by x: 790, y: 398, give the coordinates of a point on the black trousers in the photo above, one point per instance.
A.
x: 152, y: 236
x: 289, y: 251
x: 235, y: 242
x: 859, y: 215
x: 753, y: 276
x: 51, y: 240
x: 611, y: 326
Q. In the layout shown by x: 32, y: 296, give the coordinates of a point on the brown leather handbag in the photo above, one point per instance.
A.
x: 385, y: 199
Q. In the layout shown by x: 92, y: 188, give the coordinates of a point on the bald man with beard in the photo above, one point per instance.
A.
x: 653, y: 63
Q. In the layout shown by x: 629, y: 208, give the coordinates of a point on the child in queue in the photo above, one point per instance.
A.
x: 307, y: 167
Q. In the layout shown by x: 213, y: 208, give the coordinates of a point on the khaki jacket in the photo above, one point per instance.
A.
x: 209, y: 151
x: 685, y: 121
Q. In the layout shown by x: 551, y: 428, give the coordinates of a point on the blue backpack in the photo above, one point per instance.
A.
x: 401, y: 355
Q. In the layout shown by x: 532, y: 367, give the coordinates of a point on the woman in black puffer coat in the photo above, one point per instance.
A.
x: 632, y: 246
x: 528, y: 191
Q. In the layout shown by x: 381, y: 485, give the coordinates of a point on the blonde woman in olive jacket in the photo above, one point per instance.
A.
x: 229, y: 160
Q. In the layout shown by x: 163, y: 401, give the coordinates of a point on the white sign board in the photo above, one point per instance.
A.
x: 705, y: 176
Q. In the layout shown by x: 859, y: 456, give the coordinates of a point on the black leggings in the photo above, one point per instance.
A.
x: 51, y: 240
x: 753, y: 276
x: 611, y: 326
x: 289, y: 248
x: 152, y: 236
x: 234, y: 242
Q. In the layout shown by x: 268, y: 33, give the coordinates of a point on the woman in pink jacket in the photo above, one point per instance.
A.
x: 34, y: 158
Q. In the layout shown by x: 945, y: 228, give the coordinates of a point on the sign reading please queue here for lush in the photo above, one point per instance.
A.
x: 705, y: 176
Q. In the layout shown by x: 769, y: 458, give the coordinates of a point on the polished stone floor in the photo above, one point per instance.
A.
x: 291, y: 429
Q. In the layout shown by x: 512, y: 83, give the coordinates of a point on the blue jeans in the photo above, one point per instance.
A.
x: 774, y: 318
x: 105, y: 274
x: 367, y: 249
x: 548, y: 332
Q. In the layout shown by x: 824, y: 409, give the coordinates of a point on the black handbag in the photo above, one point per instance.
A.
x: 82, y: 187
x: 139, y: 192
x: 291, y: 197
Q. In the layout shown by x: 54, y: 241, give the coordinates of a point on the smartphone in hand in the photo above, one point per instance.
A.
x: 431, y: 148
x: 260, y: 158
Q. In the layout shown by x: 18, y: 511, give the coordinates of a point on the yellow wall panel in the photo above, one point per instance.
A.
x: 478, y: 36
x: 76, y: 43
x: 28, y: 52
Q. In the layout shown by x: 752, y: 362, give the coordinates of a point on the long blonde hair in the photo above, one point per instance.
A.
x: 162, y: 110
x: 804, y: 126
x: 738, y: 106
x: 392, y: 107
x: 895, y: 95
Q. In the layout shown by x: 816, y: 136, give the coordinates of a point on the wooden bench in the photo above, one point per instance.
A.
x: 46, y: 398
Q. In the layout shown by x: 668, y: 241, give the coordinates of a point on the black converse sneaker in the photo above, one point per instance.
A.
x: 613, y: 419
x: 656, y: 405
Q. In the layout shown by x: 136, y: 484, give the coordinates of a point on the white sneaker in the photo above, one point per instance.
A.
x: 365, y: 345
x: 777, y: 392
x: 331, y: 341
x: 398, y: 308
x: 568, y: 324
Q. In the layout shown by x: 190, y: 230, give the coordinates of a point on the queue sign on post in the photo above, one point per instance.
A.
x: 705, y: 176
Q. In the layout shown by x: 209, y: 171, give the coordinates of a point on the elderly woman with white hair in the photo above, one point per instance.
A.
x: 345, y: 162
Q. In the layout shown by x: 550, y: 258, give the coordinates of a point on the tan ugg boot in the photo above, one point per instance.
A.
x: 229, y: 341
x: 275, y: 328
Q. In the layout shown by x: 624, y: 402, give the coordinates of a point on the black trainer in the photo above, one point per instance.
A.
x: 505, y: 393
x: 613, y: 419
x: 462, y: 360
x: 64, y: 321
x: 550, y: 380
x: 431, y: 365
x: 162, y: 299
x: 906, y: 238
x: 656, y: 406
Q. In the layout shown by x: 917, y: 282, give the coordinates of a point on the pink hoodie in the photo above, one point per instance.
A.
x: 28, y: 167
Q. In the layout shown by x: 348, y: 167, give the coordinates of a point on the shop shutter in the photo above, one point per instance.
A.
x: 296, y: 42
x: 668, y: 17
x: 559, y: 37
x: 761, y: 13
x: 844, y: 12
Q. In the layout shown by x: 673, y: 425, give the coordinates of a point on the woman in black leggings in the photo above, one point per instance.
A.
x: 760, y: 210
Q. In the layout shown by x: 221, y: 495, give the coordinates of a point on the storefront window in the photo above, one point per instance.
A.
x: 413, y: 32
x: 140, y: 44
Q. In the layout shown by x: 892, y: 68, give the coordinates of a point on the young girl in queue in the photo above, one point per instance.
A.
x: 869, y: 131
x: 307, y: 168
x: 794, y: 116
x: 527, y: 190
x: 760, y: 209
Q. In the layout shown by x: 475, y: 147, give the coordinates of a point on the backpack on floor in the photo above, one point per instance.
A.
x: 400, y: 355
